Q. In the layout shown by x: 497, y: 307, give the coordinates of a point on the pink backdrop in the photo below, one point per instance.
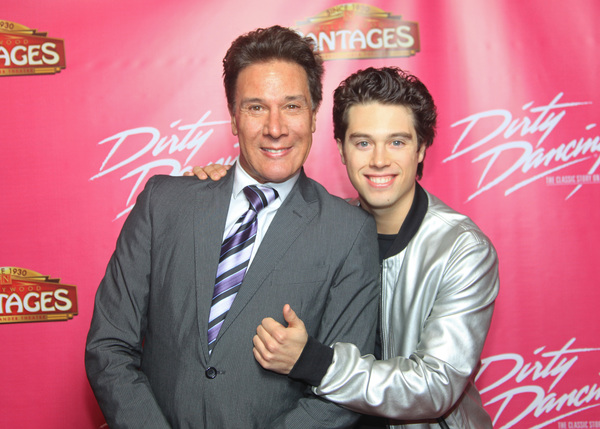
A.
x: 517, y: 149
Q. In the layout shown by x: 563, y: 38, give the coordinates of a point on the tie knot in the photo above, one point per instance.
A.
x: 260, y: 197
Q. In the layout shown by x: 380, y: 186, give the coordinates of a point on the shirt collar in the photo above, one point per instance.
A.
x: 242, y: 179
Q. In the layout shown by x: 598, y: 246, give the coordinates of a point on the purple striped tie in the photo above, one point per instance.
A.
x: 235, y: 257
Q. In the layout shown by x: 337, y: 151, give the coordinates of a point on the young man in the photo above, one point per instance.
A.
x: 439, y: 274
x: 179, y: 300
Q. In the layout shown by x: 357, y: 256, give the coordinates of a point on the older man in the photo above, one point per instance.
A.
x: 199, y: 264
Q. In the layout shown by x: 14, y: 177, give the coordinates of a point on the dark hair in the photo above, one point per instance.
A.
x: 386, y: 85
x: 273, y: 43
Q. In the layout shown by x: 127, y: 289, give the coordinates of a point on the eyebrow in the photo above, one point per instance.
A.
x: 287, y: 99
x: 393, y: 135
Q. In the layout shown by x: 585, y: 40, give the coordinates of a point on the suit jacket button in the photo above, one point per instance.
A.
x: 210, y: 372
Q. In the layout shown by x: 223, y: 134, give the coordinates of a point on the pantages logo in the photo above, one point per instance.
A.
x: 356, y: 31
x: 28, y: 296
x: 24, y: 51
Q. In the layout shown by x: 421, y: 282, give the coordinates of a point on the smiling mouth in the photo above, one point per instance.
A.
x: 276, y: 151
x: 380, y: 180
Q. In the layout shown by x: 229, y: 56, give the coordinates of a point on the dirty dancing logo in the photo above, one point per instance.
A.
x: 140, y: 152
x: 523, y: 148
x: 533, y: 389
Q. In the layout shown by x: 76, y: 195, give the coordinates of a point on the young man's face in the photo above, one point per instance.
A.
x: 273, y: 119
x: 381, y: 158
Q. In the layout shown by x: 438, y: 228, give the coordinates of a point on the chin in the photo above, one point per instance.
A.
x: 378, y: 203
x: 277, y: 178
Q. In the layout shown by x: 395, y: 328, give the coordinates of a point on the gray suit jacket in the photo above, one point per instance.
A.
x: 147, y: 356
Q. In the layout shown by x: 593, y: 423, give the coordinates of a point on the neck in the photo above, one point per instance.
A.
x: 388, y: 222
x: 389, y: 219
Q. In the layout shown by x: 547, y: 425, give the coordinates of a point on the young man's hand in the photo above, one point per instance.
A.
x: 276, y: 347
x: 214, y: 171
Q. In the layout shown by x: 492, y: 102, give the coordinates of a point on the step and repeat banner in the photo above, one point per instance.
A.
x: 98, y: 96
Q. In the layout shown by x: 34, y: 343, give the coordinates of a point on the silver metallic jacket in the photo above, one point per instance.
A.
x: 436, y: 306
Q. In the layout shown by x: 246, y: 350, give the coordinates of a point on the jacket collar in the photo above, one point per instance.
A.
x: 412, y: 223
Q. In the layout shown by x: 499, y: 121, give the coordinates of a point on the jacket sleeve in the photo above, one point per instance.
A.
x: 350, y: 315
x: 114, y: 342
x: 313, y: 363
x: 432, y: 379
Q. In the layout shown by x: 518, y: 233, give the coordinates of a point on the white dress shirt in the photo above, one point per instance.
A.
x: 238, y: 204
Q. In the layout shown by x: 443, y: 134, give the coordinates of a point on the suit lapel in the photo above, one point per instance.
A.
x: 209, y: 223
x: 291, y: 219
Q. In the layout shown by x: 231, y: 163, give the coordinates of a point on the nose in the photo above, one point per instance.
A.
x: 275, y: 124
x: 380, y: 158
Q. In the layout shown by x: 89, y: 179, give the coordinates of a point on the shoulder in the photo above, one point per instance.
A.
x: 163, y: 181
x: 177, y: 187
x: 332, y: 207
x: 455, y: 236
x: 449, y: 221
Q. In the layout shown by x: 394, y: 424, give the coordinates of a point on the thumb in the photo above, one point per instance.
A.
x: 292, y: 318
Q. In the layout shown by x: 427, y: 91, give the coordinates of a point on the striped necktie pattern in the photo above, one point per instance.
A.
x: 236, y: 251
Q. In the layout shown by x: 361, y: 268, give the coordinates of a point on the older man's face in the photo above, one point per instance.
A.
x: 273, y: 119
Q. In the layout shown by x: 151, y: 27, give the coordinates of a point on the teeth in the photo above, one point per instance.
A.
x: 385, y: 179
x: 274, y: 150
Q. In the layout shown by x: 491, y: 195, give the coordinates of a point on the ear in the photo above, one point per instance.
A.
x: 314, y: 121
x: 422, y: 153
x: 234, y: 128
x: 340, y: 145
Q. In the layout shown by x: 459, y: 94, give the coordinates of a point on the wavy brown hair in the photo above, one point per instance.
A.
x: 273, y: 43
x: 387, y: 85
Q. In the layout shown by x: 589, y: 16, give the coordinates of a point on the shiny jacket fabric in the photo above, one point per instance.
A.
x: 436, y: 306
